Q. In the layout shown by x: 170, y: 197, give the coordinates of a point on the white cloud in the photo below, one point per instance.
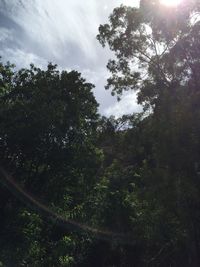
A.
x: 127, y: 105
x: 5, y: 34
x: 54, y: 25
x: 22, y: 59
x: 131, y: 2
x: 95, y: 75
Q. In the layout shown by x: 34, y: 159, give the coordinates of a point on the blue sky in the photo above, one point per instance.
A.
x: 63, y: 32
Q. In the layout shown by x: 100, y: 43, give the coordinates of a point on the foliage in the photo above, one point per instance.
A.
x: 48, y: 120
x: 134, y: 180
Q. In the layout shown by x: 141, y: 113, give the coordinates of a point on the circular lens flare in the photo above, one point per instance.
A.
x: 170, y: 2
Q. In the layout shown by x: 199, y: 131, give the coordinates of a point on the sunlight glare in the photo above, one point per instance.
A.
x: 170, y: 2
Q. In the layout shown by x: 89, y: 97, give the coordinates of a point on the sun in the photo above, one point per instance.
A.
x: 170, y: 2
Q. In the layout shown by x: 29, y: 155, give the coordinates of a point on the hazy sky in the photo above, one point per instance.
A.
x: 63, y: 32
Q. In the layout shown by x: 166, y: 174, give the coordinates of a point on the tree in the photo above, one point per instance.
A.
x: 47, y: 141
x: 156, y: 48
x: 156, y: 51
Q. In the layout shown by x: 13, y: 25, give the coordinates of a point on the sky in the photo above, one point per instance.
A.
x: 63, y: 32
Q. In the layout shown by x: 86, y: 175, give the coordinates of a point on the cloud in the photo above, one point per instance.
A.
x: 5, y: 35
x: 127, y: 105
x: 22, y: 59
x: 57, y: 26
x: 63, y: 32
x: 131, y: 2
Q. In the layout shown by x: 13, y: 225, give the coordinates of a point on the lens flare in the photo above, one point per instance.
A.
x: 33, y: 203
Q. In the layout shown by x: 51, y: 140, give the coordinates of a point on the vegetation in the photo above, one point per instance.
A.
x: 134, y: 181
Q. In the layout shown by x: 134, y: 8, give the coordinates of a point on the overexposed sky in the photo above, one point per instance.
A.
x: 63, y: 32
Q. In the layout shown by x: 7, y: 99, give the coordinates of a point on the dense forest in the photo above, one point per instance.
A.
x: 81, y: 189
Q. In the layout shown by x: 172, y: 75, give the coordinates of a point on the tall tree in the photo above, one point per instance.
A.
x: 156, y: 49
